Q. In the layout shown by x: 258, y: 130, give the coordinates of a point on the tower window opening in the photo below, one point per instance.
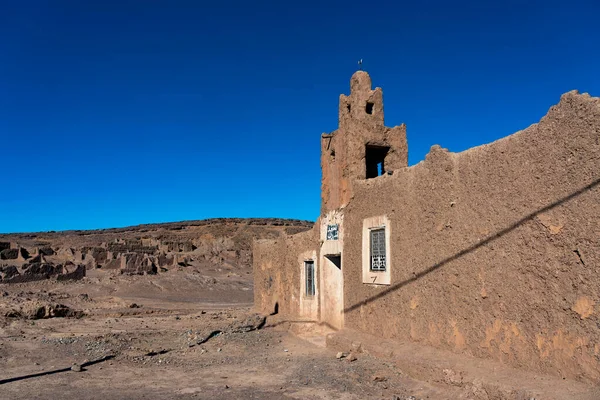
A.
x: 375, y: 160
x: 369, y: 107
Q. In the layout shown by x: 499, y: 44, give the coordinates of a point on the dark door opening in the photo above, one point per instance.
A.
x: 336, y: 260
x: 375, y: 160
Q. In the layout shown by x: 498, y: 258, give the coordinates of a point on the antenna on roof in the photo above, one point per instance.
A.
x: 360, y: 64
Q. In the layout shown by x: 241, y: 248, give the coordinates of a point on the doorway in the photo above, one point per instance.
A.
x: 332, y: 301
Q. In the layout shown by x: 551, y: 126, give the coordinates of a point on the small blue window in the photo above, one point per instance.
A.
x: 332, y: 232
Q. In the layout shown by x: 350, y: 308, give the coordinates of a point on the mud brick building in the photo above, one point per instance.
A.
x: 492, y: 252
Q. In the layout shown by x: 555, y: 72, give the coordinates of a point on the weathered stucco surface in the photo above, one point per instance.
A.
x: 495, y: 251
x: 343, y: 151
x: 278, y: 266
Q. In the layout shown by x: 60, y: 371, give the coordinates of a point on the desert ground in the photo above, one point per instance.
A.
x: 165, y: 311
x: 139, y: 337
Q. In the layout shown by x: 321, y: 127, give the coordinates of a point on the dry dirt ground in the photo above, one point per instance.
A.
x: 137, y: 338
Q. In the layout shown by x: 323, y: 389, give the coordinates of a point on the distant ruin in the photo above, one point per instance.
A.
x: 141, y: 250
x: 492, y: 252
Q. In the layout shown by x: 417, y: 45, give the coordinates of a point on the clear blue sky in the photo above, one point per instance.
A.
x: 115, y: 113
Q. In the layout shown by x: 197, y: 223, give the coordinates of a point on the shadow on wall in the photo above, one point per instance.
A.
x: 275, y: 309
x: 468, y: 250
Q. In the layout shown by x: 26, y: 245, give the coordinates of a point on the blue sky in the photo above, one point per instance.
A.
x: 115, y: 113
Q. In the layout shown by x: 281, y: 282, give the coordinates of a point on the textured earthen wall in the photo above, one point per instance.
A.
x: 277, y: 273
x: 343, y: 151
x: 496, y: 250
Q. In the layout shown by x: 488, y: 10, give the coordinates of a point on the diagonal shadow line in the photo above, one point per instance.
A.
x: 473, y: 247
x: 55, y: 371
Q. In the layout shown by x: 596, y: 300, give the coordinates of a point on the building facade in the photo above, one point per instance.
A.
x: 492, y: 252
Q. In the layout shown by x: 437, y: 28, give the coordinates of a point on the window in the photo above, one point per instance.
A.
x: 377, y: 250
x: 332, y: 232
x: 369, y: 107
x: 378, y: 260
x: 375, y: 160
x: 309, y: 273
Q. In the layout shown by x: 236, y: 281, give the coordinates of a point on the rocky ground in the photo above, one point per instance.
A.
x: 165, y: 312
x: 176, y: 335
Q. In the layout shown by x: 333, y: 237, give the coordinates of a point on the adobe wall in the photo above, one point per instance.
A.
x: 495, y: 250
x: 330, y: 272
x: 278, y: 274
x: 343, y: 151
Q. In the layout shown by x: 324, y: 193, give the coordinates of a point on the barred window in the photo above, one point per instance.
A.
x: 378, y: 262
x: 309, y: 273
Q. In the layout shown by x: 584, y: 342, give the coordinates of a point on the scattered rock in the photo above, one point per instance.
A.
x: 340, y: 355
x: 13, y: 314
x: 453, y: 378
x: 211, y: 335
x: 250, y: 323
x: 379, y: 378
x: 357, y: 347
x: 52, y: 311
x: 153, y: 353
x: 84, y: 297
x: 76, y: 367
x: 351, y: 357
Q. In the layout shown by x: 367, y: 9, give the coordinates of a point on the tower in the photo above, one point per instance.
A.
x: 362, y: 147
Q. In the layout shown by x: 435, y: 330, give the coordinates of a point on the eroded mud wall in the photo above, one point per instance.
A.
x: 343, y: 151
x: 495, y: 250
x: 278, y: 274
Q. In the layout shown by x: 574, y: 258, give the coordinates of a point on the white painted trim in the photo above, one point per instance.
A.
x: 376, y: 277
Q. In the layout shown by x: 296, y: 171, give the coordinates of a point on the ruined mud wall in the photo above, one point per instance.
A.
x: 278, y: 270
x: 495, y: 251
x: 224, y: 243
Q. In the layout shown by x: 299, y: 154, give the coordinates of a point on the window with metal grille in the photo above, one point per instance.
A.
x: 309, y: 273
x: 378, y: 261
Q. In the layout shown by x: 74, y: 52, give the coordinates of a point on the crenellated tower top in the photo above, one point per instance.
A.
x: 362, y: 147
x: 363, y: 104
